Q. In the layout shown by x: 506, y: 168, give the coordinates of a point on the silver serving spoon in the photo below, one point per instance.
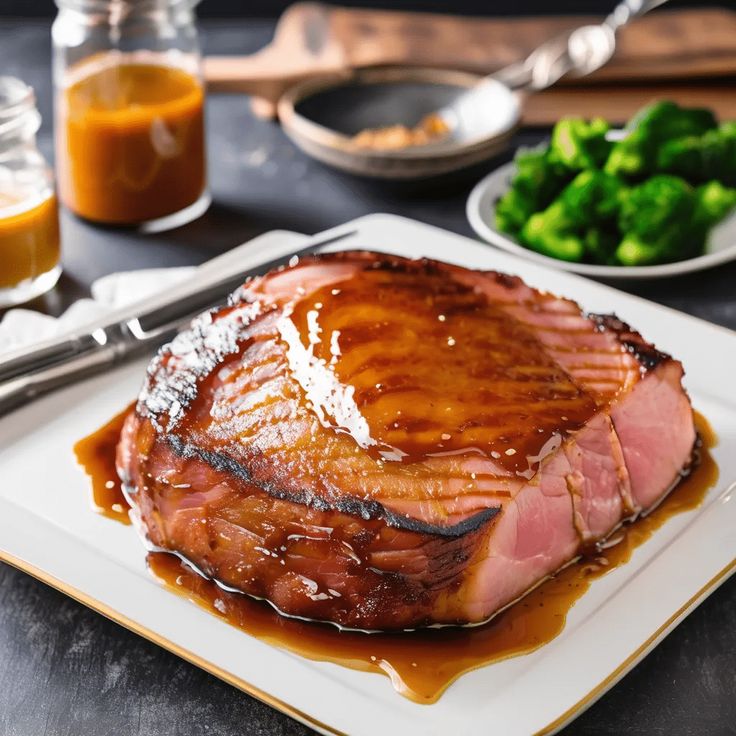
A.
x: 323, y: 116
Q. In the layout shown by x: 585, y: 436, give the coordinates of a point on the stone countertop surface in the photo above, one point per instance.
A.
x: 68, y: 670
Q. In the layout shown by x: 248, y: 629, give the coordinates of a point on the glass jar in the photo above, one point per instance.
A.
x: 29, y: 219
x: 129, y: 107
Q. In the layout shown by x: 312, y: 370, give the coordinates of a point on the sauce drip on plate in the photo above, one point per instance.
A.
x: 421, y: 664
x: 96, y: 454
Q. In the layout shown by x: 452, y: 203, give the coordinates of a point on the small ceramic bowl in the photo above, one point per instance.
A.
x: 323, y: 115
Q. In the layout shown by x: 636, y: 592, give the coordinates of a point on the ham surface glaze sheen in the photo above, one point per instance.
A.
x: 387, y: 443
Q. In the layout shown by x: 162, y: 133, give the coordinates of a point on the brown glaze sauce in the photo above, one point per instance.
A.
x: 433, y: 368
x: 421, y: 664
x: 96, y: 454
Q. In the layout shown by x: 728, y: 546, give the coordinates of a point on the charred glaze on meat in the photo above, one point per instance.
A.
x: 386, y: 443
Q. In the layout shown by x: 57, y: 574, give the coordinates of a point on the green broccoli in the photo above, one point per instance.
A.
x: 575, y: 200
x: 682, y: 157
x: 538, y: 235
x: 579, y: 144
x: 513, y: 209
x: 656, y: 221
x: 630, y: 157
x: 636, y: 155
x: 591, y: 199
x: 665, y: 120
x: 702, y: 158
x: 726, y: 165
x: 535, y: 184
x: 713, y: 203
x: 600, y: 245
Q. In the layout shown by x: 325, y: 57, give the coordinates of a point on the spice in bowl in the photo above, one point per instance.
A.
x: 430, y: 129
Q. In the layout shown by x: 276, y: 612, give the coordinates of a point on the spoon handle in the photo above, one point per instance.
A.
x: 571, y: 51
x: 628, y: 10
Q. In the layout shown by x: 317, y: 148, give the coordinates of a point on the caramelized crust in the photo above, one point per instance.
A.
x: 387, y: 443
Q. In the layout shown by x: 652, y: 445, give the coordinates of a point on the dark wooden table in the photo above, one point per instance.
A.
x: 67, y: 670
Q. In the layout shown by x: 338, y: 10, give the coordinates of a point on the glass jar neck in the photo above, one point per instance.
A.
x: 127, y: 18
x: 19, y: 118
x: 122, y: 9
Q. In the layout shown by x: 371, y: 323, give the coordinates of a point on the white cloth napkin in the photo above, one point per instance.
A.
x: 23, y: 327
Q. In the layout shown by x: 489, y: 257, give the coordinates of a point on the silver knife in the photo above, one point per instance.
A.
x: 26, y: 374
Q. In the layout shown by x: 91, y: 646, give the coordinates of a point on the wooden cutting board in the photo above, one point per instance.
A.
x: 313, y: 39
x: 617, y: 103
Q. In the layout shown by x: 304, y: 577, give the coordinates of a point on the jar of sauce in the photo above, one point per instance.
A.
x: 130, y: 147
x: 29, y: 221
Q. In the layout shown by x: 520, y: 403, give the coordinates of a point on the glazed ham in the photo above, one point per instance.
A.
x: 386, y: 443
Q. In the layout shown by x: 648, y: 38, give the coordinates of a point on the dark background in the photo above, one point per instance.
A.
x: 270, y: 8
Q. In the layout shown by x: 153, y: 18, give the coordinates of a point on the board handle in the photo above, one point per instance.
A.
x: 303, y: 48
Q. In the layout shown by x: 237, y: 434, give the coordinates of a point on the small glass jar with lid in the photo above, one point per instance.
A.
x: 29, y: 220
x: 129, y: 109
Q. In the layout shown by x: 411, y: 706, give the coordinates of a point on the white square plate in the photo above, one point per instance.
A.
x: 47, y: 529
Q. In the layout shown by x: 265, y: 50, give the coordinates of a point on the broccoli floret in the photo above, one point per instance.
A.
x: 630, y: 157
x: 682, y: 157
x: 701, y: 158
x: 535, y: 184
x: 656, y: 221
x: 513, y: 209
x: 591, y: 199
x: 579, y: 144
x: 723, y: 162
x: 713, y: 203
x: 666, y: 120
x: 539, y: 177
x: 632, y: 251
x: 717, y: 154
x: 540, y: 235
x: 665, y: 219
x: 656, y: 204
x: 600, y: 245
x: 636, y: 155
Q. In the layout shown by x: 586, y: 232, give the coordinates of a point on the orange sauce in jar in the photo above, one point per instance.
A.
x: 29, y: 238
x: 130, y: 145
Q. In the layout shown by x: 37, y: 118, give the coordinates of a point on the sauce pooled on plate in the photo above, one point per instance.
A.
x: 422, y: 663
